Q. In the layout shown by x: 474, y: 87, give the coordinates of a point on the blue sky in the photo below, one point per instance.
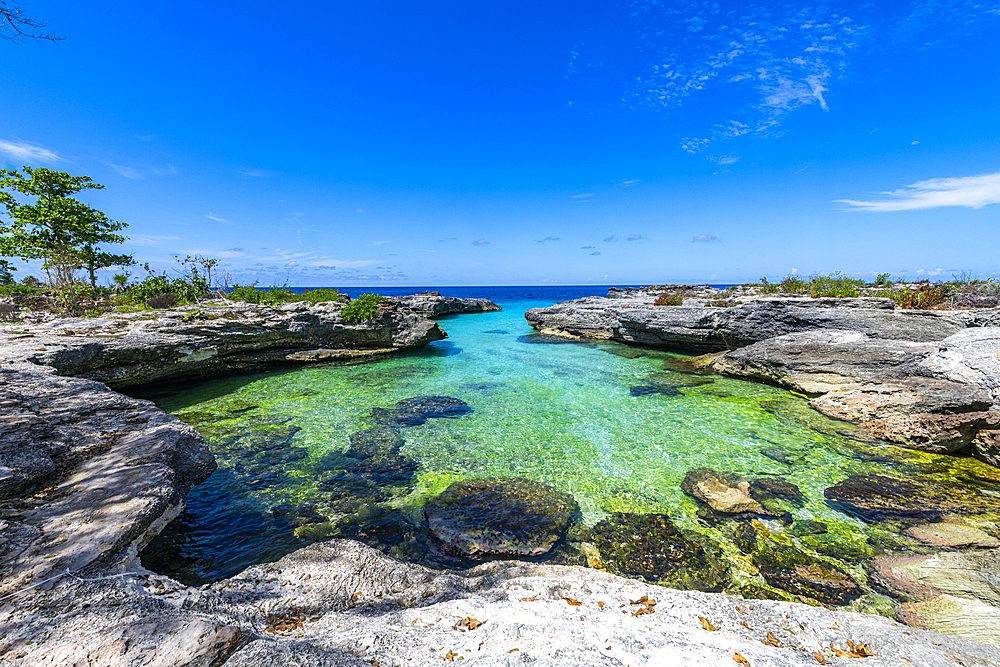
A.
x: 525, y: 143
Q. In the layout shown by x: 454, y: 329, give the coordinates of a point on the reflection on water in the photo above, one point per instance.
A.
x: 611, y: 425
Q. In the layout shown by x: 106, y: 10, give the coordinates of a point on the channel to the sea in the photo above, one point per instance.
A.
x: 610, y: 424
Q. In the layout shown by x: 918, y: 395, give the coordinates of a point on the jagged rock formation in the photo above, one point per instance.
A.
x: 194, y: 341
x: 432, y: 304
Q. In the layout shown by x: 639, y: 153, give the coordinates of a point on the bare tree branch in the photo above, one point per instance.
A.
x: 15, y: 25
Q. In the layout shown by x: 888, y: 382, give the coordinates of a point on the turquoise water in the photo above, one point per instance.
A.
x: 559, y: 413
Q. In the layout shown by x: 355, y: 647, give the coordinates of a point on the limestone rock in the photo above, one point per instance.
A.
x: 900, y: 397
x: 821, y: 361
x: 941, y: 434
x: 971, y: 356
x: 943, y: 534
x: 120, y: 472
x: 194, y: 341
x: 489, y: 517
x: 417, y: 410
x: 986, y: 446
x: 432, y: 304
x: 726, y: 499
x: 631, y: 317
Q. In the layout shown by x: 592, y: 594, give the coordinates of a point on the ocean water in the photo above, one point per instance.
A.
x: 571, y: 415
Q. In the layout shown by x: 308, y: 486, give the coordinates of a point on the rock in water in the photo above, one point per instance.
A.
x: 499, y: 517
x: 651, y: 547
x: 417, y: 410
x: 883, y: 498
x: 951, y: 535
x: 726, y: 499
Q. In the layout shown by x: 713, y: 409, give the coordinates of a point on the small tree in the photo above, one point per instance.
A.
x: 61, y: 231
x: 6, y: 275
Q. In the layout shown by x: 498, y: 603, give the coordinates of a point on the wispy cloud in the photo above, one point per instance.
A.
x: 450, y: 238
x: 634, y: 237
x: 127, y: 172
x: 169, y: 170
x: 629, y: 182
x: 215, y: 217
x: 480, y: 242
x: 547, y: 238
x: 255, y: 173
x: 724, y: 160
x: 587, y: 247
x: 610, y: 239
x: 703, y: 238
x: 970, y: 191
x: 27, y: 152
x: 585, y: 195
x: 596, y: 252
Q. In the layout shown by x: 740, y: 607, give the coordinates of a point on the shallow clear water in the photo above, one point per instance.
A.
x: 558, y: 413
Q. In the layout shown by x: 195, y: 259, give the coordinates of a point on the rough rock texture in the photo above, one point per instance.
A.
x: 490, y: 517
x: 941, y: 434
x: 192, y: 341
x: 951, y: 535
x: 971, y: 356
x: 432, y: 304
x: 631, y: 317
x: 726, y: 499
x: 825, y: 360
x: 952, y: 591
x: 882, y: 498
x: 986, y: 446
x: 107, y: 473
x: 901, y: 397
x: 340, y: 603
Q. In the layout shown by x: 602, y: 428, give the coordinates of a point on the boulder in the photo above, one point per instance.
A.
x: 494, y: 517
x: 902, y: 396
x: 726, y: 499
x: 432, y: 304
x: 939, y: 434
x: 125, y: 349
x: 417, y: 410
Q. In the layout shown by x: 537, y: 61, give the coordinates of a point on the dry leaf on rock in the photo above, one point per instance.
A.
x: 772, y: 641
x: 469, y: 622
x: 707, y: 624
x: 531, y: 599
x: 741, y: 660
x: 572, y: 602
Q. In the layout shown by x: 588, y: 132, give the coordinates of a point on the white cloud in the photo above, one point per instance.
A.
x: 480, y: 242
x: 585, y: 195
x: 216, y: 218
x: 25, y: 152
x: 634, y: 237
x: 127, y: 172
x: 723, y: 161
x: 256, y: 173
x: 971, y: 191
x: 704, y: 238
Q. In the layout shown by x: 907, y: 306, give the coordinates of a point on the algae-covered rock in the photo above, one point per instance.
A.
x: 377, y: 440
x: 876, y: 497
x: 799, y: 573
x: 726, y: 499
x: 939, y: 434
x: 651, y: 547
x: 494, y: 517
x: 951, y: 535
x: 417, y: 410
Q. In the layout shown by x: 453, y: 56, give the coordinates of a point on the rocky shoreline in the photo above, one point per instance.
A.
x: 104, y: 473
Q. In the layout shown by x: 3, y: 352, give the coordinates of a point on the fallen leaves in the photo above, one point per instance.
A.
x: 450, y: 656
x: 820, y: 659
x: 741, y: 660
x: 707, y: 624
x: 531, y: 599
x: 467, y: 623
x: 572, y: 602
x: 647, y: 605
x: 284, y: 624
x: 600, y: 605
x: 853, y: 650
x: 772, y: 641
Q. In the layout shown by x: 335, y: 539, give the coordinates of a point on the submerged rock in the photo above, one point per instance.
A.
x: 651, y: 547
x: 953, y: 535
x: 647, y: 390
x: 876, y: 497
x: 496, y: 517
x: 799, y: 573
x: 726, y: 499
x: 417, y: 410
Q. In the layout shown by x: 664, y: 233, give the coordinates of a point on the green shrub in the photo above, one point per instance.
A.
x: 320, y: 295
x: 272, y: 296
x: 926, y: 296
x: 667, y: 299
x: 187, y: 290
x: 364, y: 308
x: 794, y: 285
